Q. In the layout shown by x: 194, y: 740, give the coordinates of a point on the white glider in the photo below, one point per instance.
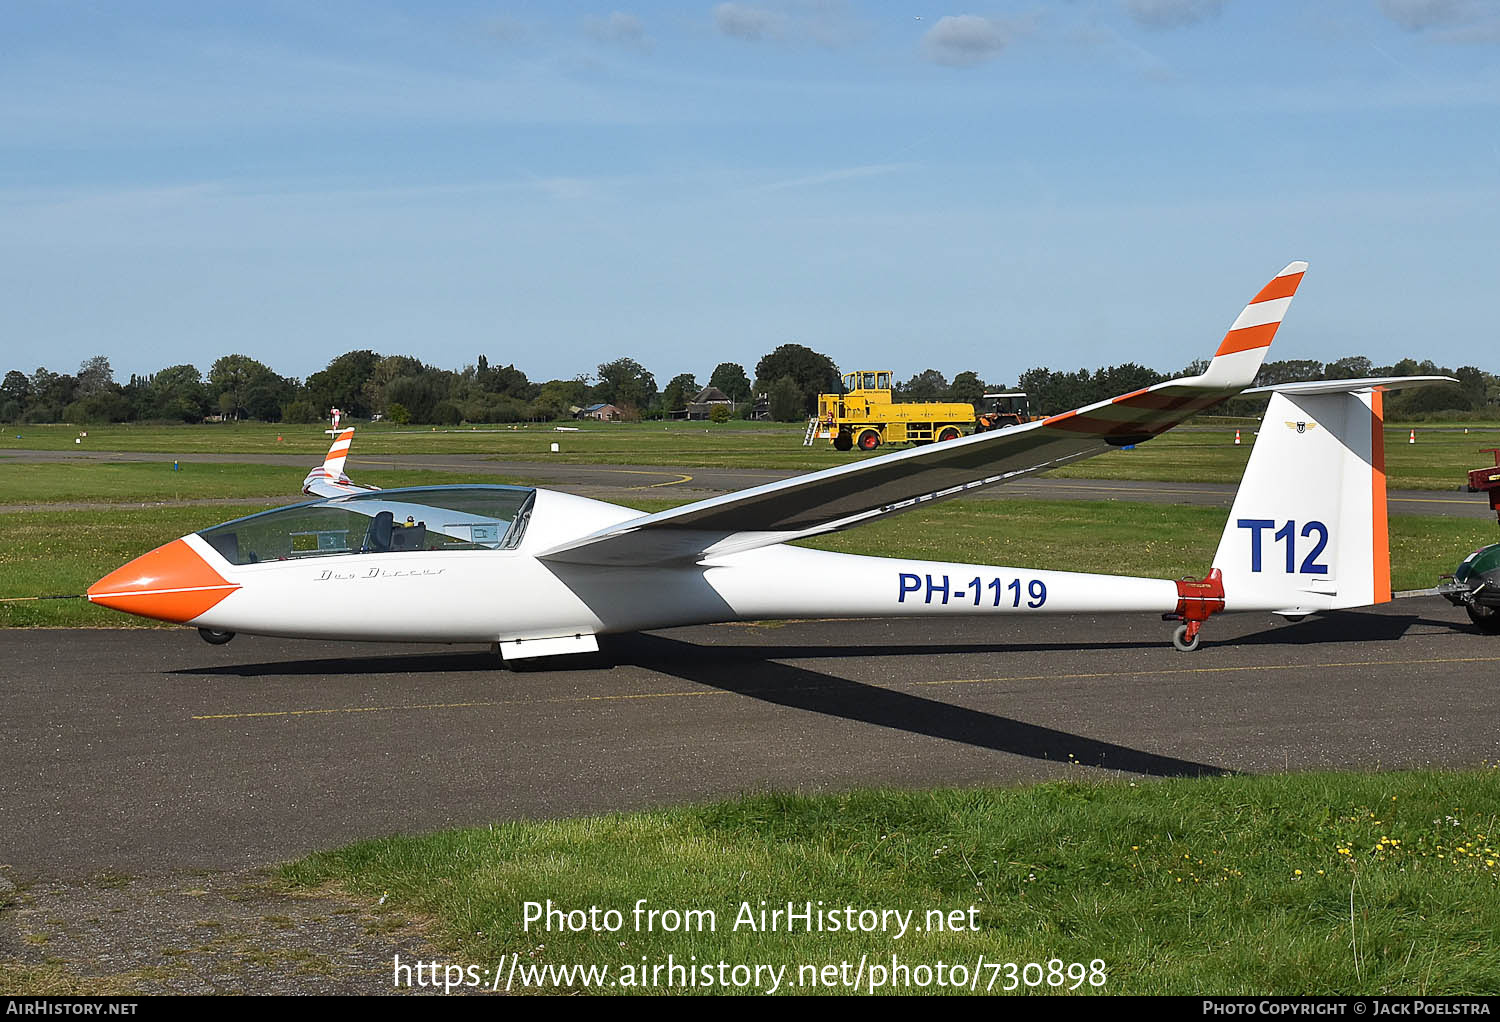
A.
x: 536, y: 572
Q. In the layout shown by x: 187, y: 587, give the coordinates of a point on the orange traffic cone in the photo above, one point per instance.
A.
x: 1236, y: 438
x: 1413, y: 438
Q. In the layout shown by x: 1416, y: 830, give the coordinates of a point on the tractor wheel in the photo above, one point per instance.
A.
x: 843, y: 442
x: 949, y: 433
x: 1486, y: 618
x: 869, y: 440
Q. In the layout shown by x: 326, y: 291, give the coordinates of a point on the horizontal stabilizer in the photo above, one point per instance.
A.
x: 1384, y: 384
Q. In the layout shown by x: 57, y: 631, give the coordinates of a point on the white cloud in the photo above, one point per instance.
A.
x: 752, y: 24
x: 1172, y: 13
x: 620, y: 28
x: 1415, y: 15
x: 1454, y: 21
x: 502, y: 29
x: 963, y: 40
x: 828, y: 23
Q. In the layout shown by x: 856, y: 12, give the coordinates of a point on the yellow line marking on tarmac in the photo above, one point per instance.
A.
x: 695, y: 693
x: 1429, y: 500
x: 1215, y: 670
x: 681, y: 478
x: 617, y: 697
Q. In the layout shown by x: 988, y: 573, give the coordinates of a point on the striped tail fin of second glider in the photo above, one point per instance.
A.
x: 328, y: 479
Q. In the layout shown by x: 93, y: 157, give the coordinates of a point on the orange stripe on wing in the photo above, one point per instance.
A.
x: 1280, y: 287
x: 1247, y: 338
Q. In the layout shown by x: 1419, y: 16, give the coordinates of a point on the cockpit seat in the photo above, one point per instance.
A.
x: 378, y: 539
x: 412, y: 537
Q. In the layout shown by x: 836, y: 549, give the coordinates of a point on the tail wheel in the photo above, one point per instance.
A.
x: 843, y: 441
x: 1185, y: 638
x: 949, y: 433
x: 1487, y: 618
x: 869, y: 440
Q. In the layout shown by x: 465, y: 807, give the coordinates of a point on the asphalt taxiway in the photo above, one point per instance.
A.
x: 616, y: 482
x: 143, y: 750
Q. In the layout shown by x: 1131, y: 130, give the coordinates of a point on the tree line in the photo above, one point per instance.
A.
x: 787, y: 381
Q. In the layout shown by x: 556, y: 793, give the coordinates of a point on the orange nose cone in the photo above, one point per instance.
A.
x: 171, y: 583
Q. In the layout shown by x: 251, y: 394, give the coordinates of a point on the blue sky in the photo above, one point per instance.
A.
x: 899, y: 185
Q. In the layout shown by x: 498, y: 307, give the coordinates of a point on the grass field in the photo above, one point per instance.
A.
x: 1203, y: 453
x: 1301, y: 884
x: 58, y: 552
x: 31, y: 483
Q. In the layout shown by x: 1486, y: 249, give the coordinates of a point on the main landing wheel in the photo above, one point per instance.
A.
x: 214, y: 638
x: 1486, y: 618
x: 869, y: 440
x: 1184, y: 642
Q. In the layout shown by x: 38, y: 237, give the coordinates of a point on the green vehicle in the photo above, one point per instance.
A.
x: 1476, y: 587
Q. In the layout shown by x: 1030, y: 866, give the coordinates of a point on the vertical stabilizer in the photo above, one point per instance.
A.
x: 1308, y: 530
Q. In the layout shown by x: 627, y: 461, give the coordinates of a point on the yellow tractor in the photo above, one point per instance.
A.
x: 864, y: 416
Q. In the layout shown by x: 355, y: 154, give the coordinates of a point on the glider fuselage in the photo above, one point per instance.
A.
x: 477, y: 594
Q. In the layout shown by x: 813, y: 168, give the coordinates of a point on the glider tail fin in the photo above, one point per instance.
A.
x: 333, y: 462
x: 328, y: 479
x: 1308, y: 530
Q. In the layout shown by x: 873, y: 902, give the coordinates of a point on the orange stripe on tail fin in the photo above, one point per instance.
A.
x: 1381, y: 554
x: 333, y: 464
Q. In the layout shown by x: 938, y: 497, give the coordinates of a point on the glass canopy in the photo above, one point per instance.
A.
x: 380, y: 521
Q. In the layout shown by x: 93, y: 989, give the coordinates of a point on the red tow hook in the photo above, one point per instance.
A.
x: 1197, y: 601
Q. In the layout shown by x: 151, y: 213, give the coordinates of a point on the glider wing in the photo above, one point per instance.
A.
x: 838, y: 498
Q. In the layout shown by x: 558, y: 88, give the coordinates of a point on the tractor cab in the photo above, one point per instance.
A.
x: 874, y: 385
x: 859, y: 392
x: 1002, y: 410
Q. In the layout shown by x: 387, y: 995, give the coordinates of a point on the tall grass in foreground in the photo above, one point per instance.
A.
x: 1298, y: 884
